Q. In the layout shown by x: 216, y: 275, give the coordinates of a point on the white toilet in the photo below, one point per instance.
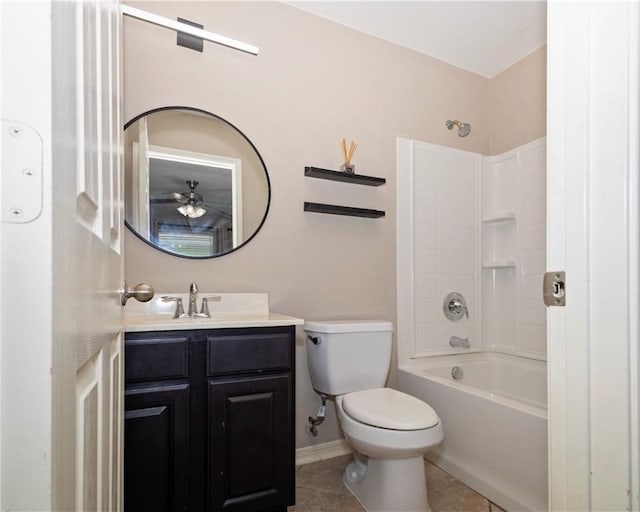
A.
x: 389, y: 431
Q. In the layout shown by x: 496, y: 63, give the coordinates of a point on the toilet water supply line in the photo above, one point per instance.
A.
x: 314, y: 422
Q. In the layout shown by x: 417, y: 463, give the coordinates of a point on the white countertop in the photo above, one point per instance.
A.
x: 227, y: 311
x: 222, y: 321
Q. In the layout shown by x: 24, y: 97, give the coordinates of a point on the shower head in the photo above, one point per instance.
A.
x: 464, y: 129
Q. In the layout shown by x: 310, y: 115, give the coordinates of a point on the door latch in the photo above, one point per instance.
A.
x: 554, y: 289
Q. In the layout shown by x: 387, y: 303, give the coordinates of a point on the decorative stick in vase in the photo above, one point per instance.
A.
x: 347, y: 166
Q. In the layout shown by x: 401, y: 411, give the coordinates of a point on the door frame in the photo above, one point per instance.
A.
x: 40, y: 328
x: 26, y: 301
x: 592, y: 233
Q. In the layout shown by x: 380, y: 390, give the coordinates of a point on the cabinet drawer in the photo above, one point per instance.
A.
x: 243, y: 353
x: 156, y: 358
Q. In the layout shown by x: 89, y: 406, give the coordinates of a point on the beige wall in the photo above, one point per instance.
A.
x: 313, y: 83
x: 519, y: 103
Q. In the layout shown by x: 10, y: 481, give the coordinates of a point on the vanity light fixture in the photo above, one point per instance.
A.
x: 178, y: 26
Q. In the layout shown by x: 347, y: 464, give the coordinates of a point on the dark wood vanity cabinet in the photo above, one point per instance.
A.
x: 209, y: 420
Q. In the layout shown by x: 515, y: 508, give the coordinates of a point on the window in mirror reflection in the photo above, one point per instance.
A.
x: 205, y: 217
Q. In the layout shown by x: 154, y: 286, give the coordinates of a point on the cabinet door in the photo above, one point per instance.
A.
x: 156, y: 455
x: 250, y: 466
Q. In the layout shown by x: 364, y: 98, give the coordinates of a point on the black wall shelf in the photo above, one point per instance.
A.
x: 342, y: 210
x: 358, y: 179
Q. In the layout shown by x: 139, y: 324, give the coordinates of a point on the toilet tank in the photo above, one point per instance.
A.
x: 348, y: 355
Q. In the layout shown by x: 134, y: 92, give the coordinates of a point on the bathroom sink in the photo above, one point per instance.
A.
x: 227, y: 310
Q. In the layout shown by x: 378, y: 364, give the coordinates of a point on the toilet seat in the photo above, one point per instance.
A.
x: 389, y: 409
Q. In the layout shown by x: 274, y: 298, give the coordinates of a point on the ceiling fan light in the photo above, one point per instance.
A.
x: 199, y: 212
x: 191, y: 211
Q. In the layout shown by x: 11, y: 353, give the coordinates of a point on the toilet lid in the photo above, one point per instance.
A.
x: 388, y: 408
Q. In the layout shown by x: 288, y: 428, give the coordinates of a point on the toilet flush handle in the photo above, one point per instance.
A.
x: 316, y: 340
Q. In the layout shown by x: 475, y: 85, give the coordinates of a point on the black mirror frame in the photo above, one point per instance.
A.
x: 266, y: 172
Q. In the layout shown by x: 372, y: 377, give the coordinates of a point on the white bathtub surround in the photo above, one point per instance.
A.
x: 495, y: 423
x: 513, y: 251
x: 494, y: 418
x: 438, y: 244
x: 475, y: 225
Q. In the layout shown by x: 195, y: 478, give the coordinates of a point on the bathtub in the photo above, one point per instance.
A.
x: 495, y: 423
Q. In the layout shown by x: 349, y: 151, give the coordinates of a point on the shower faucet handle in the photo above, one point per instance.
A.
x: 455, y: 306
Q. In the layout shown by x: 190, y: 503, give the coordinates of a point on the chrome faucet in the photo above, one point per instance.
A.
x: 193, y: 300
x: 193, y: 304
x: 456, y: 341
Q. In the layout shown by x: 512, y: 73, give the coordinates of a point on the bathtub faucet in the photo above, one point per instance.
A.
x: 456, y: 341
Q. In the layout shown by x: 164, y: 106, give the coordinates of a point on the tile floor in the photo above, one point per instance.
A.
x: 319, y: 488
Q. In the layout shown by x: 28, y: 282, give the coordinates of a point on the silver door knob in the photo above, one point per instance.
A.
x: 141, y: 292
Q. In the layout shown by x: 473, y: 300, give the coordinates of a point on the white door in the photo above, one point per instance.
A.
x: 65, y: 58
x: 593, y: 225
x: 87, y: 249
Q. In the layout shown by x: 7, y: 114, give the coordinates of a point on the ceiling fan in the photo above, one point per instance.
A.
x: 190, y: 202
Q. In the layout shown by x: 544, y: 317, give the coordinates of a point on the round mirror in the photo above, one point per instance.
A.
x: 195, y: 186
